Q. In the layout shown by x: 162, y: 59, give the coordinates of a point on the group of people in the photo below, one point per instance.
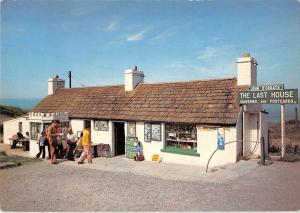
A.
x: 57, y: 147
x: 18, y: 136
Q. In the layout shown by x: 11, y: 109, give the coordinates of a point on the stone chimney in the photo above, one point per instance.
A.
x: 132, y: 78
x: 55, y: 84
x: 246, y: 70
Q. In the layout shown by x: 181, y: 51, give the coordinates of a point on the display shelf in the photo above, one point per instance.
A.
x: 181, y: 141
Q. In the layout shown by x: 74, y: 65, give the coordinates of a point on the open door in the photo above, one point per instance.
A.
x: 119, y: 138
x: 251, y: 134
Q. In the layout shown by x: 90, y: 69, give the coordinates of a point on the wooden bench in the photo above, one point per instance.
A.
x: 98, y: 150
x: 24, y: 142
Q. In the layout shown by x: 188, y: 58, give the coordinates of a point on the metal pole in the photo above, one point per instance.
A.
x: 262, y: 151
x: 70, y: 81
x: 282, y: 109
x: 296, y: 117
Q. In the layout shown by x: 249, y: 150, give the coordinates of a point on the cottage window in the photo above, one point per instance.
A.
x: 100, y: 125
x: 64, y: 127
x: 35, y: 129
x: 20, y: 127
x: 152, y: 132
x: 131, y: 129
x: 181, y: 139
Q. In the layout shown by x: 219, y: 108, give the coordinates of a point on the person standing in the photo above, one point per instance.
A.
x: 86, y: 143
x: 71, y: 144
x: 48, y: 147
x: 41, y: 143
x: 52, y: 138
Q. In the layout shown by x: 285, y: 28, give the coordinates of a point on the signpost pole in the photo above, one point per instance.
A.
x: 282, y: 109
x: 296, y: 117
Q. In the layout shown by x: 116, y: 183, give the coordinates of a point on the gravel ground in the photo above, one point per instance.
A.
x: 41, y: 186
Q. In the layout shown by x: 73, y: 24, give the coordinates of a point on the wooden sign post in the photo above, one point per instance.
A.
x: 272, y: 94
x: 282, y: 110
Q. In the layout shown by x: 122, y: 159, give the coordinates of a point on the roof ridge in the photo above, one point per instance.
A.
x: 91, y: 87
x: 191, y: 81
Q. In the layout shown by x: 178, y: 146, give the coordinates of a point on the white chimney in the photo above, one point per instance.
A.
x: 132, y: 78
x: 55, y: 84
x: 246, y: 70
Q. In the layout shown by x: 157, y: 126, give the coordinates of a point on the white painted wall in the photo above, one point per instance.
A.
x: 153, y: 147
x: 102, y: 136
x: 207, y: 144
x: 76, y: 125
x: 11, y: 127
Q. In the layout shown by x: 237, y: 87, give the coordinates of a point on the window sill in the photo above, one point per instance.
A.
x: 173, y: 150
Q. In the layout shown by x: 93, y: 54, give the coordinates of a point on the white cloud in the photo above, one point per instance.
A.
x: 163, y: 35
x: 208, y: 53
x: 112, y: 25
x: 214, y: 52
x: 136, y: 37
x: 298, y: 1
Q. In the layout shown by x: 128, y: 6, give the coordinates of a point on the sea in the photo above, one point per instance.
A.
x: 23, y: 103
x: 272, y: 109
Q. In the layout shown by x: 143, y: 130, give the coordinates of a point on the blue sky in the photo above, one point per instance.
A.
x: 168, y: 40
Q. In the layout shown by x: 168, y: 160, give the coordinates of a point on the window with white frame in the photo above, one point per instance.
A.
x: 35, y: 130
x: 100, y: 125
x: 152, y: 132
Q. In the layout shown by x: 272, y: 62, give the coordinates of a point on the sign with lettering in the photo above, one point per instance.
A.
x: 130, y: 148
x: 147, y: 132
x: 267, y: 87
x: 131, y: 129
x: 155, y: 132
x: 285, y: 96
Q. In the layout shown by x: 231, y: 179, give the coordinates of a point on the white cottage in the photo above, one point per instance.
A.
x: 182, y: 122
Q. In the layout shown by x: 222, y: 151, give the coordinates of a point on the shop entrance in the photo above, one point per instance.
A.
x: 119, y: 138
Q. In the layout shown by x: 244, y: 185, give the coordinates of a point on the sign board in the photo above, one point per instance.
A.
x: 155, y: 157
x: 130, y: 148
x: 155, y: 132
x: 285, y: 96
x: 267, y: 87
x: 221, y: 141
x: 131, y: 129
x: 147, y: 132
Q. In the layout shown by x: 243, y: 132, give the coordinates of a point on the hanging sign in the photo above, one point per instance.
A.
x: 267, y: 87
x: 221, y: 140
x: 285, y: 96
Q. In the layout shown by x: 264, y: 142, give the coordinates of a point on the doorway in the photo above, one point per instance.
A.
x: 251, y: 134
x: 119, y: 134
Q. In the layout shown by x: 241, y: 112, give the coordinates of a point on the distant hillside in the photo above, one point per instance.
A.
x: 11, y: 111
x: 7, y: 113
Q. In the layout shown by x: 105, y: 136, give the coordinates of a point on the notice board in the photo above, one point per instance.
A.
x: 130, y: 148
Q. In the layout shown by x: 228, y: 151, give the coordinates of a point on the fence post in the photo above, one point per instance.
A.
x: 262, y: 150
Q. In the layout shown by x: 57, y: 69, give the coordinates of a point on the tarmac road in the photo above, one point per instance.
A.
x: 45, y: 187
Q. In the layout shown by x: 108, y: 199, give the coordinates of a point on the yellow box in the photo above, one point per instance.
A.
x: 155, y: 157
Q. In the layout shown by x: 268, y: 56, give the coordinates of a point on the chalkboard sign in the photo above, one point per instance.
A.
x: 147, y: 133
x: 130, y: 148
x: 131, y: 129
x: 156, y: 132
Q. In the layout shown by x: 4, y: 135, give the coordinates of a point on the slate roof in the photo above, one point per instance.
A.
x: 207, y: 102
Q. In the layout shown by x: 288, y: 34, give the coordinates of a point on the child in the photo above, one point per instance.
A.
x: 41, y: 143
